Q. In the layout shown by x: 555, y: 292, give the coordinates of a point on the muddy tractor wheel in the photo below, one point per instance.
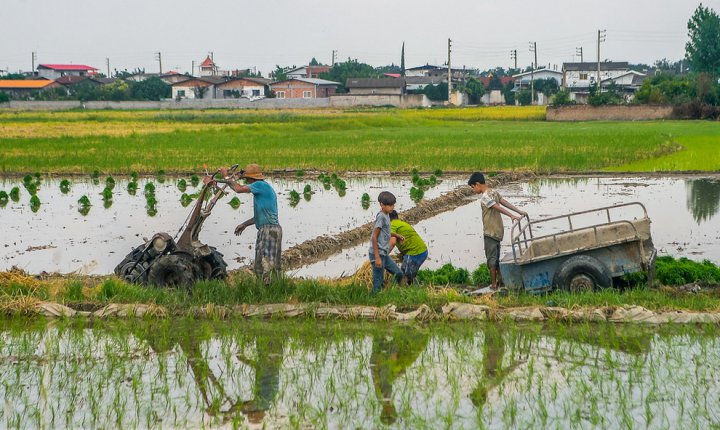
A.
x: 172, y: 271
x: 134, y: 272
x: 582, y: 273
x: 214, y: 266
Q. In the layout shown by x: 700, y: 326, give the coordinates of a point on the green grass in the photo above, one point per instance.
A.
x: 447, y: 139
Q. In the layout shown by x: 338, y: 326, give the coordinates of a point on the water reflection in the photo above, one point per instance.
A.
x: 703, y: 198
x: 347, y: 375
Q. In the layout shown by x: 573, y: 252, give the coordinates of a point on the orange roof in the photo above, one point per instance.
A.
x: 207, y: 63
x: 27, y: 83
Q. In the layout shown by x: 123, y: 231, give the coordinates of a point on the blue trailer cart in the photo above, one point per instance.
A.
x: 579, y: 258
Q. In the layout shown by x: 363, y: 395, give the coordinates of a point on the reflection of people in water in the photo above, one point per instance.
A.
x: 493, y: 372
x: 392, y: 353
x: 269, y: 357
x: 267, y: 378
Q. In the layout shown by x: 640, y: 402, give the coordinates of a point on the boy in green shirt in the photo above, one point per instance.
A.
x: 413, y: 248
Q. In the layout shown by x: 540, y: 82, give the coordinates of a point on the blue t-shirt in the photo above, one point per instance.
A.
x: 264, y: 204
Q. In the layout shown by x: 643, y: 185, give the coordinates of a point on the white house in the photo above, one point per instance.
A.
x: 197, y: 88
x: 579, y: 77
x: 54, y: 71
x: 250, y: 88
x: 307, y: 72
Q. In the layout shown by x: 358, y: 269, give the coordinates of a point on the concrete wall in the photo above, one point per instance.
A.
x: 608, y: 113
x: 404, y: 101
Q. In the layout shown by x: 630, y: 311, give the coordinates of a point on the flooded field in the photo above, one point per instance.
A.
x: 58, y: 238
x: 350, y: 375
x: 685, y: 214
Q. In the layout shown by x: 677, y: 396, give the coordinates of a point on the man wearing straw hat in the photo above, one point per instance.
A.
x: 265, y: 217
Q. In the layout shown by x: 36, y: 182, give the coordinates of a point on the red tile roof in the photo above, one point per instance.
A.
x: 25, y: 84
x: 66, y: 67
x: 207, y: 63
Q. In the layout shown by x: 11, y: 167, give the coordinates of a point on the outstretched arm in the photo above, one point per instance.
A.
x: 504, y: 211
x: 510, y: 206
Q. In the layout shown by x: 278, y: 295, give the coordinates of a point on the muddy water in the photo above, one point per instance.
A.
x: 685, y: 214
x: 57, y: 238
x: 230, y: 374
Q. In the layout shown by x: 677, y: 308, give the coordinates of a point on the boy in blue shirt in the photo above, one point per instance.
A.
x: 380, y: 243
x: 268, y: 246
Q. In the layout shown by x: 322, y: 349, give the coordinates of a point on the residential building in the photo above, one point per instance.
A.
x: 54, y: 71
x: 579, y: 77
x: 169, y: 78
x: 418, y: 83
x: 197, y: 88
x: 304, y: 88
x: 436, y: 72
x: 523, y: 80
x: 208, y: 67
x: 307, y: 72
x: 384, y: 86
x: 25, y: 88
x: 244, y: 87
x: 420, y: 71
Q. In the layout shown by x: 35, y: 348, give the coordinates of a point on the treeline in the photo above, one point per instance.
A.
x: 152, y: 89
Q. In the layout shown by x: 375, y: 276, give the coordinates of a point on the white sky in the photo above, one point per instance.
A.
x: 262, y: 33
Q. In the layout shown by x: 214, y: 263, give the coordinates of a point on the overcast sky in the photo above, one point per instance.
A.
x: 262, y: 33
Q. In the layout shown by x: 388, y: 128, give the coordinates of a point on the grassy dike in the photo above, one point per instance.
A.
x: 120, y: 142
x: 19, y: 291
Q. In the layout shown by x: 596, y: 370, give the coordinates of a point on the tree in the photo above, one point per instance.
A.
x: 509, y: 94
x: 703, y: 48
x: 524, y: 97
x: 279, y: 74
x: 199, y: 91
x: 402, y: 60
x: 340, y: 72
x: 437, y: 92
x: 150, y: 89
x: 4, y: 98
x: 474, y: 89
x: 13, y: 77
x: 314, y: 62
x: 562, y: 98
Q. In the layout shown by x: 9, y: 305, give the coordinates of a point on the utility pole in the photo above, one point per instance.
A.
x: 212, y: 59
x: 601, y: 38
x: 533, y: 49
x: 158, y: 56
x: 513, y: 56
x: 449, y: 70
x: 334, y: 56
x: 579, y: 51
x: 34, y: 57
x: 107, y: 62
x: 192, y: 69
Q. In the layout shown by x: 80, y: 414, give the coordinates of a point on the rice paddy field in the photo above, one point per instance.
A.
x: 511, y: 138
x: 315, y: 374
x: 78, y: 189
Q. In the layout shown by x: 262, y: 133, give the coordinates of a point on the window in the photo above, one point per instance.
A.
x: 307, y: 94
x: 281, y: 94
x: 583, y: 76
x: 256, y: 92
x: 181, y: 93
x: 227, y: 94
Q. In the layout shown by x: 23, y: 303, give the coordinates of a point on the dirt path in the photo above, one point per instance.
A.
x: 322, y: 247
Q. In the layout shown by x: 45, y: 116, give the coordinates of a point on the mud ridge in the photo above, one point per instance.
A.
x: 320, y: 248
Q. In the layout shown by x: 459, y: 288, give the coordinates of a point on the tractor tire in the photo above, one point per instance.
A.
x: 582, y: 273
x: 132, y: 257
x: 134, y: 272
x: 173, y: 270
x: 215, y: 267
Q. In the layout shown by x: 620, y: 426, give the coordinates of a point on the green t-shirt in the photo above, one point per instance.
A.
x: 413, y: 243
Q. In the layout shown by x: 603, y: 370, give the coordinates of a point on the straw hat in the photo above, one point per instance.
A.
x: 253, y: 171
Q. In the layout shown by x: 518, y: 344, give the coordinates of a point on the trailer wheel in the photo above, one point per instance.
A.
x: 582, y: 273
x: 172, y: 271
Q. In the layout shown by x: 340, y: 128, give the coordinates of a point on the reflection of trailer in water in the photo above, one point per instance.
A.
x: 577, y: 259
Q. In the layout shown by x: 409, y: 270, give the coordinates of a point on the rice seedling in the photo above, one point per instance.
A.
x: 134, y: 176
x: 132, y: 187
x: 31, y: 188
x: 34, y: 203
x: 438, y: 172
x: 28, y: 179
x: 15, y: 194
x: 299, y: 173
x: 160, y: 176
x: 84, y: 205
x: 107, y: 196
x: 294, y: 198
x: 416, y: 194
x: 185, y: 200
x: 64, y: 186
x: 182, y: 185
x: 110, y: 183
x: 95, y: 174
x: 194, y: 180
x: 149, y: 189
x: 4, y: 198
x: 234, y: 202
x: 365, y: 201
